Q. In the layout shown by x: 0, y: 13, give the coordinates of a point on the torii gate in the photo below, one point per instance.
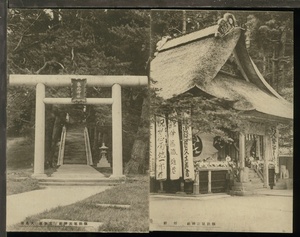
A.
x: 40, y: 81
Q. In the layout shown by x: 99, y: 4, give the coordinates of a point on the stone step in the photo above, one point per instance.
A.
x: 77, y: 175
x: 280, y: 186
x: 75, y: 150
x: 256, y: 182
x: 257, y: 186
x: 106, y: 182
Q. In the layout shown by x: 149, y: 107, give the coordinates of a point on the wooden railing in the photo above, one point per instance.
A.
x: 88, y: 147
x: 61, y: 151
x: 259, y: 172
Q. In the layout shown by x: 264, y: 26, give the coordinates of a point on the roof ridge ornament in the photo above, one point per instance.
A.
x: 161, y: 43
x: 225, y: 25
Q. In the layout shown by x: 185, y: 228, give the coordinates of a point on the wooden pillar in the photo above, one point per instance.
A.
x: 209, y: 181
x: 181, y: 191
x: 161, y: 187
x: 196, y: 183
x: 242, y: 150
x: 39, y: 143
x: 117, y: 147
x: 276, y: 154
x: 258, y: 146
x: 267, y: 153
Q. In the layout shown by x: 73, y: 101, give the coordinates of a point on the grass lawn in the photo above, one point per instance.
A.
x: 135, y: 219
x: 19, y: 153
x: 19, y: 166
x: 20, y: 182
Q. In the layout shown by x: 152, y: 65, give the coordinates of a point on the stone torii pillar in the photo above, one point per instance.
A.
x: 116, y: 131
x: 39, y: 138
x: 40, y: 81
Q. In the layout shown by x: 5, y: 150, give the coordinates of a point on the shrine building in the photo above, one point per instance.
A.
x: 214, y: 62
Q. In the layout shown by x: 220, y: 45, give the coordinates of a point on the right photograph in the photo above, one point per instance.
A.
x: 221, y: 125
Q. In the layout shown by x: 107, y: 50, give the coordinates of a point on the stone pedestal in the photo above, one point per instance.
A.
x: 103, y: 163
x: 242, y: 189
x: 244, y: 175
x: 196, y: 184
x: 284, y: 184
x: 39, y: 176
x: 181, y: 188
x: 161, y: 187
x: 280, y: 184
x: 117, y: 177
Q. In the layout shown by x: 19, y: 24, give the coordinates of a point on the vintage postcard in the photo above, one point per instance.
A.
x: 77, y: 123
x: 214, y: 130
x: 221, y: 155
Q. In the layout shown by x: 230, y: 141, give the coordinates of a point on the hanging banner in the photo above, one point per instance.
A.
x: 174, y: 148
x: 203, y: 147
x: 161, y: 148
x: 152, y: 149
x: 275, y: 147
x: 187, y: 148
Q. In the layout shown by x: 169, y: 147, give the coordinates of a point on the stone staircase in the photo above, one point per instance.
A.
x: 75, y: 151
x: 255, y: 180
x: 77, y: 175
x: 75, y: 171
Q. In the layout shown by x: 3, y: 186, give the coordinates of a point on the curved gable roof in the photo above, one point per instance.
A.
x: 195, y: 60
x: 178, y: 69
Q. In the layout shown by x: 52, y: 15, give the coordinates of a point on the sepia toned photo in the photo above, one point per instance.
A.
x: 127, y: 120
x: 77, y: 120
x: 221, y: 135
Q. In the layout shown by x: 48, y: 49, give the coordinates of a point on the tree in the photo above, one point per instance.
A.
x: 87, y: 42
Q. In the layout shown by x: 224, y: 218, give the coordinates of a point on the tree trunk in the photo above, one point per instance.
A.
x: 183, y: 22
x: 138, y: 162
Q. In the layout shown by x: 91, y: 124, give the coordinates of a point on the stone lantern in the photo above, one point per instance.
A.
x: 103, y: 162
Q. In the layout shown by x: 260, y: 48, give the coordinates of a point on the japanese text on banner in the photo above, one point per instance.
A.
x: 174, y: 148
x: 152, y: 147
x: 187, y: 148
x: 161, y: 149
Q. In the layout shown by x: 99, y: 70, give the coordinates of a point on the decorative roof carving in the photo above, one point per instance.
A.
x: 225, y: 25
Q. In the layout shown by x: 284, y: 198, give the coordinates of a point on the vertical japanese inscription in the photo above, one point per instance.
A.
x: 187, y: 148
x: 78, y: 90
x: 161, y: 149
x: 174, y: 148
x: 152, y: 148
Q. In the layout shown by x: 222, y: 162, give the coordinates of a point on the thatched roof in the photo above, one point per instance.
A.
x: 247, y: 96
x: 194, y: 61
x: 178, y: 69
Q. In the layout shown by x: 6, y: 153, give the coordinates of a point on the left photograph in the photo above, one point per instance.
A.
x: 77, y: 120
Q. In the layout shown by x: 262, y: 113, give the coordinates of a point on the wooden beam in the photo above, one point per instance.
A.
x: 65, y: 80
x: 69, y: 101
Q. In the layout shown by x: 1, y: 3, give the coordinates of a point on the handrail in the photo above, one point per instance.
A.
x: 259, y: 173
x: 62, y: 146
x: 88, y: 147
